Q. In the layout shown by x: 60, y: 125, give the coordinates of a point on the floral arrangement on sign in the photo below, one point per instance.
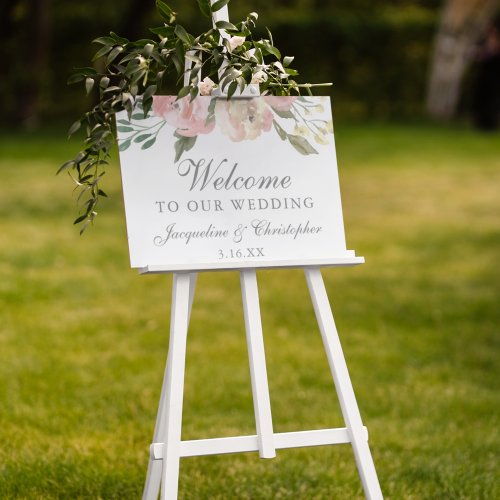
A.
x: 135, y: 71
x: 238, y: 120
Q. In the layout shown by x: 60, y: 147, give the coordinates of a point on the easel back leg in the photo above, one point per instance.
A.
x: 343, y: 385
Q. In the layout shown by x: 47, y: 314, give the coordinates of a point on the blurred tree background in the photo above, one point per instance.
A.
x: 377, y: 54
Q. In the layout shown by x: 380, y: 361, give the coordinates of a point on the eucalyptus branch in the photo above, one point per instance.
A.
x: 135, y: 71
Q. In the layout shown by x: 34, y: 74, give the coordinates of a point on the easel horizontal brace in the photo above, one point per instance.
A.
x: 242, y: 444
x: 349, y: 259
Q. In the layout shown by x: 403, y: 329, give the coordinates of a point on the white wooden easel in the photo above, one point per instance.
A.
x: 167, y: 448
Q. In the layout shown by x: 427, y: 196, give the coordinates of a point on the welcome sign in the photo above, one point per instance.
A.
x: 220, y: 184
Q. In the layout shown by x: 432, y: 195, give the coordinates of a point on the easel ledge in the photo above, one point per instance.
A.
x: 350, y: 259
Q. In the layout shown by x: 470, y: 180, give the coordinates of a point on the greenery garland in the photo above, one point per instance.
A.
x: 135, y: 71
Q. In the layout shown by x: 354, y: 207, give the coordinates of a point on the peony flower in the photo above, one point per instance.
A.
x: 280, y: 103
x: 243, y: 119
x: 188, y: 117
x: 236, y: 41
x: 206, y: 86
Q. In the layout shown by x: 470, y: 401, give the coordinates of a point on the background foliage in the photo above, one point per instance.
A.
x: 376, y: 53
x: 83, y: 341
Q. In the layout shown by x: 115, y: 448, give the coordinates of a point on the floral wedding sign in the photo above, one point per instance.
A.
x: 217, y: 183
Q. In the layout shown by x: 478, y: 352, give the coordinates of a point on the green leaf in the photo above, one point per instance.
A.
x: 149, y: 143
x: 113, y: 88
x: 75, y: 78
x: 274, y: 51
x: 142, y: 137
x: 113, y: 54
x: 138, y: 75
x: 80, y: 219
x: 258, y: 56
x: 183, y: 144
x: 86, y: 71
x: 217, y: 56
x: 211, y: 106
x: 182, y: 34
x: 104, y: 40
x: 192, y: 58
x: 118, y: 39
x: 162, y: 31
x: 177, y: 64
x: 246, y: 72
x: 283, y: 113
x: 74, y: 128
x: 279, y: 129
x: 301, y: 145
x: 267, y: 48
x: 149, y: 92
x: 287, y: 60
x: 218, y: 5
x: 124, y: 129
x: 180, y: 52
x: 193, y: 92
x: 165, y: 11
x: 102, y: 52
x: 65, y: 166
x: 147, y: 105
x: 225, y: 25
x: 124, y: 145
x: 232, y: 89
x: 204, y: 6
x: 270, y: 35
x: 184, y: 92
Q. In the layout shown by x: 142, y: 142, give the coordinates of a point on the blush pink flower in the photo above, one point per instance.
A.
x: 188, y: 117
x: 280, y: 103
x: 243, y: 119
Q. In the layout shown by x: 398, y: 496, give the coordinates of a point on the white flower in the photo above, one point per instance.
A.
x: 206, y: 86
x: 250, y: 53
x: 259, y: 77
x: 236, y: 41
x: 321, y: 139
x: 301, y: 130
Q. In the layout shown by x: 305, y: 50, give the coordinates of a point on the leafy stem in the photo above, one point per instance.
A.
x: 140, y: 69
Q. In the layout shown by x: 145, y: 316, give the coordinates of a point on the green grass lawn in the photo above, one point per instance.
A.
x: 83, y: 338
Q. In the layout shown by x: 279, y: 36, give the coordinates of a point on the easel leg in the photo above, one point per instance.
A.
x: 257, y: 360
x: 343, y: 384
x: 169, y: 418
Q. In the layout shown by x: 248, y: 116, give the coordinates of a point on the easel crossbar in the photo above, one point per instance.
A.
x: 241, y: 444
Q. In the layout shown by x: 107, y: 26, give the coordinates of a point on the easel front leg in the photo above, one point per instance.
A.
x: 169, y: 418
x: 343, y: 384
x: 257, y: 360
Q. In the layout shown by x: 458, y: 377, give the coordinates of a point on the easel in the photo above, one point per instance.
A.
x: 167, y: 448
